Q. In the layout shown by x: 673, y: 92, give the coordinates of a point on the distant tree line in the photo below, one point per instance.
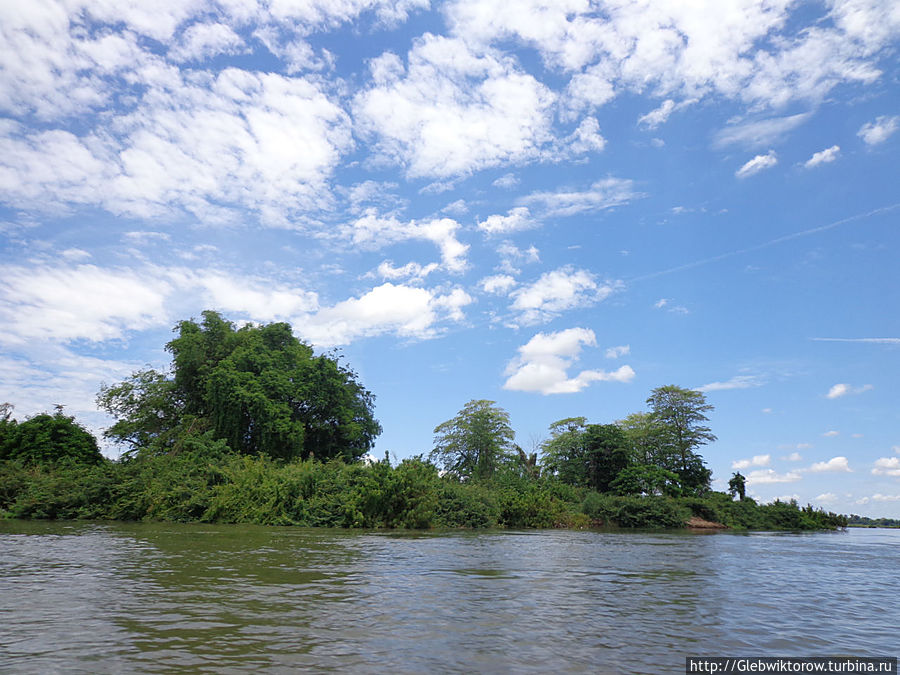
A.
x: 249, y: 425
x: 647, y: 453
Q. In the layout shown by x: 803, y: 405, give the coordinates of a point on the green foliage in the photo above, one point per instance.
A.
x: 589, y: 455
x: 258, y: 388
x: 476, y: 442
x: 737, y: 485
x: 46, y: 438
x: 646, y: 479
x: 635, y: 512
x: 680, y: 414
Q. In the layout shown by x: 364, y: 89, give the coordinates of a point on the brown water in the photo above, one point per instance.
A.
x: 116, y: 597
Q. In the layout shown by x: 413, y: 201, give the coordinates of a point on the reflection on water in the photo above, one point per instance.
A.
x: 119, y: 597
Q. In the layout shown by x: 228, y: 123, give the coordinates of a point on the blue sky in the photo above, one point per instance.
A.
x: 556, y: 206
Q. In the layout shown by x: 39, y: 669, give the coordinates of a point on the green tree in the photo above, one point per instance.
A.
x: 46, y: 438
x: 563, y: 454
x: 646, y: 479
x: 645, y: 437
x: 588, y: 455
x: 474, y: 443
x: 682, y: 415
x: 258, y: 388
x: 737, y: 486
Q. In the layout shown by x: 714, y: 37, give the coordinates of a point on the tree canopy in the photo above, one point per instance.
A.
x: 257, y: 387
x: 46, y: 438
x: 475, y: 442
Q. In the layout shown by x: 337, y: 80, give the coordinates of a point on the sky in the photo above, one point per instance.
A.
x: 557, y: 206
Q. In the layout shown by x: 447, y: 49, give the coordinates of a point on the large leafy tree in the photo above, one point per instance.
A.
x: 47, y: 438
x: 584, y: 454
x: 681, y: 416
x: 258, y: 388
x: 476, y: 442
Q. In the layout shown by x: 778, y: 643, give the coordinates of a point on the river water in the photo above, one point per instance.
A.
x: 122, y: 598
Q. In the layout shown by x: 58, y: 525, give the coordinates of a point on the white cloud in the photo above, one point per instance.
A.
x: 793, y: 457
x: 396, y: 309
x: 756, y: 460
x: 618, y: 352
x: 499, y: 283
x: 511, y: 255
x: 63, y: 303
x: 877, y: 497
x: 881, y: 341
x: 507, y: 181
x: 560, y: 290
x: 760, y: 133
x: 831, y: 434
x: 658, y: 116
x: 880, y: 130
x: 374, y: 231
x: 451, y: 111
x: 749, y: 52
x: 543, y: 362
x: 203, y: 40
x: 823, y: 156
x: 411, y: 270
x: 515, y: 220
x: 586, y: 138
x: 826, y: 498
x: 843, y: 389
x: 204, y: 145
x: 838, y: 390
x: 765, y: 476
x: 832, y: 465
x: 887, y: 466
x: 736, y: 382
x: 757, y: 164
x: 603, y: 194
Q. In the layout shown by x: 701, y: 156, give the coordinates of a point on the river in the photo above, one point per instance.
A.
x: 152, y: 598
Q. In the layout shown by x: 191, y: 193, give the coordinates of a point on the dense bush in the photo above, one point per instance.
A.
x: 206, y: 482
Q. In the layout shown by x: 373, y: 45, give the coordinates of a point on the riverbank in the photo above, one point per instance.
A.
x: 231, y: 488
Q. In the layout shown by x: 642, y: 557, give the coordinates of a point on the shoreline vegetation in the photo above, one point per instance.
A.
x: 249, y: 426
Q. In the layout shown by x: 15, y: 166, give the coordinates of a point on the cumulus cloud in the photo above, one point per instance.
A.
x: 542, y: 364
x: 498, y: 283
x: 826, y: 498
x: 831, y: 434
x: 757, y: 164
x: 515, y: 220
x: 793, y: 457
x: 887, y: 466
x: 835, y: 464
x: 749, y: 53
x: 374, y: 231
x: 756, y: 460
x: 560, y: 290
x: 880, y: 130
x: 823, y: 157
x: 765, y: 476
x: 394, y: 309
x: 878, y: 497
x: 450, y: 111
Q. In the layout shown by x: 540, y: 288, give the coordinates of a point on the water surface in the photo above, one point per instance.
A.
x: 121, y: 597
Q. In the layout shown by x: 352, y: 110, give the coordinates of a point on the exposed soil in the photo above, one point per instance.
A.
x: 696, y: 523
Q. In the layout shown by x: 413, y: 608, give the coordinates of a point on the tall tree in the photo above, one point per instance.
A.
x: 49, y: 438
x: 737, y: 485
x: 258, y: 388
x: 475, y: 442
x: 682, y: 415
